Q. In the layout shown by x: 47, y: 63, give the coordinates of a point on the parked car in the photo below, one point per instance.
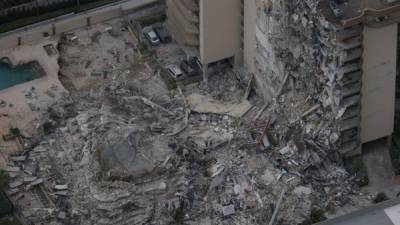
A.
x: 151, y: 36
x: 190, y: 67
x: 162, y: 33
x: 175, y: 72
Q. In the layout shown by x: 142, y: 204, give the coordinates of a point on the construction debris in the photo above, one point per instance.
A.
x: 123, y: 149
x: 204, y: 104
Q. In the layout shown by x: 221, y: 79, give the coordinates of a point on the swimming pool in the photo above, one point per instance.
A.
x: 10, y: 76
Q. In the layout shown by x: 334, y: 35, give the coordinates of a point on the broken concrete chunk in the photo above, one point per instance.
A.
x: 29, y: 169
x: 61, y: 187
x: 34, y: 183
x: 203, y: 117
x: 84, y: 211
x: 40, y: 148
x: 341, y: 113
x: 18, y: 158
x: 12, y: 169
x: 285, y: 150
x: 12, y: 191
x: 205, y: 104
x: 159, y: 186
x: 62, y: 215
x: 281, y: 174
x: 217, y: 180
x: 29, y: 179
x: 205, y: 221
x: 266, y: 142
x: 15, y: 184
x: 216, y: 169
x: 156, y: 127
x: 310, y: 110
x: 334, y: 137
x: 268, y: 177
x: 228, y: 210
x: 13, y: 174
x: 61, y: 193
x: 302, y: 190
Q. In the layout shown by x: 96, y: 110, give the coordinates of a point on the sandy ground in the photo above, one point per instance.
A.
x: 39, y: 93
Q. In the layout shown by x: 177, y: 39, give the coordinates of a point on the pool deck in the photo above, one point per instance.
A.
x: 20, y: 114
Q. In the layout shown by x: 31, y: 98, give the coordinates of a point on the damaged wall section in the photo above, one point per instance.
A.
x: 299, y: 59
x: 299, y: 52
x: 379, y: 82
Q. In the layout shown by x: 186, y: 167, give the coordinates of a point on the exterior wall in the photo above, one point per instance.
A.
x: 183, y: 23
x: 220, y: 30
x: 270, y: 69
x: 250, y: 17
x: 67, y: 23
x: 379, y: 82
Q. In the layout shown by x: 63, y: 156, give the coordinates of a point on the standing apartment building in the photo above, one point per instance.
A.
x: 208, y: 29
x: 350, y: 44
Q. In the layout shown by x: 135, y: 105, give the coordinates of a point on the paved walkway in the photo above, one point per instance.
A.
x: 376, y: 158
x: 386, y: 213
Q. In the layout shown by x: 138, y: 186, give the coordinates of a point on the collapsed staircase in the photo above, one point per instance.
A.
x: 349, y: 88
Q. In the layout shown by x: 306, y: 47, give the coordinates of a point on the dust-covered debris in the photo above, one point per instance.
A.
x: 123, y: 149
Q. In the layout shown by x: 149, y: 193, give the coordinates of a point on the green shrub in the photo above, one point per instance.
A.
x: 316, y: 216
x: 355, y: 166
x: 6, y: 206
x: 15, y: 131
x: 4, y: 179
x: 9, y: 221
x: 380, y: 197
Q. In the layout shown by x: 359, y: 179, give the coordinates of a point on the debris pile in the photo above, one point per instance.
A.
x: 119, y: 160
x: 311, y: 75
x: 122, y: 149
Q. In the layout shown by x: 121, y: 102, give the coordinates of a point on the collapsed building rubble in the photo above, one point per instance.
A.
x: 118, y: 171
x: 315, y: 67
x: 123, y: 149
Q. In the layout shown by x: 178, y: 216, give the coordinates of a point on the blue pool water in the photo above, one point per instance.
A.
x: 13, y: 76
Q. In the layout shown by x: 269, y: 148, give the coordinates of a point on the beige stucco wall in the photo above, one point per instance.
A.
x: 220, y: 30
x: 183, y: 24
x: 249, y: 48
x: 378, y: 82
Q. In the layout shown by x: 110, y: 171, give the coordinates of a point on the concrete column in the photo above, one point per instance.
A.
x: 53, y: 29
x: 249, y: 38
x: 205, y: 74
